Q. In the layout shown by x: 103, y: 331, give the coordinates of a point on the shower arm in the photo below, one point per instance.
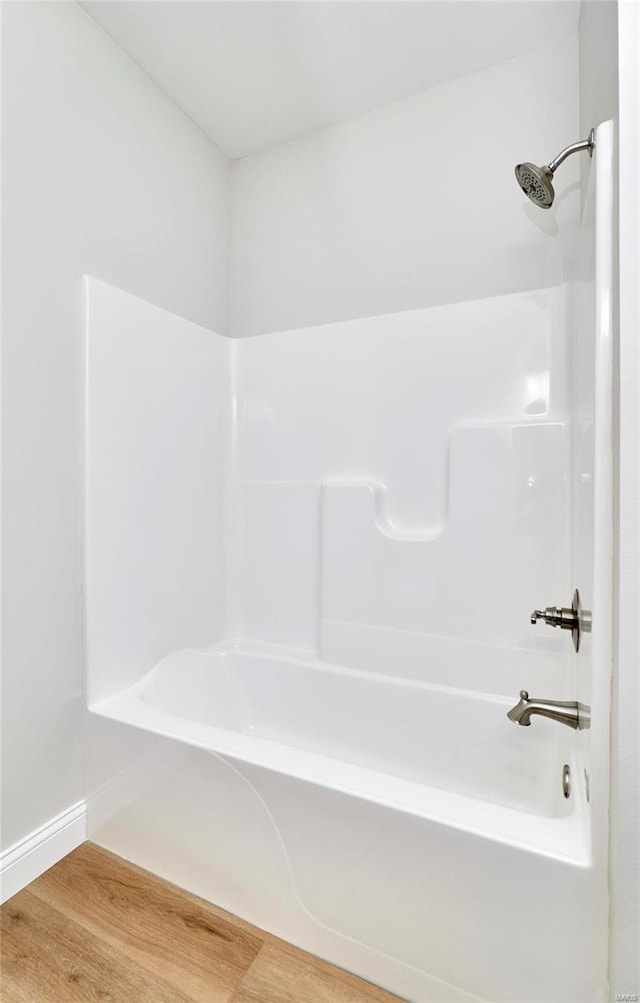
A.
x: 585, y: 144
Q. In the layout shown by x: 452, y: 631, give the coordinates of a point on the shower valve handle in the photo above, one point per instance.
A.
x: 556, y: 616
x: 572, y: 618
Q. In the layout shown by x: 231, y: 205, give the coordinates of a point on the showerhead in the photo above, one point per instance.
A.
x: 536, y: 182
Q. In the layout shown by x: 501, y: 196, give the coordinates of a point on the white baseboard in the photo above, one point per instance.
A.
x: 26, y: 860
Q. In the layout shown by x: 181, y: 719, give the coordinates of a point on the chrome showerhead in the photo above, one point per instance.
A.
x: 536, y: 182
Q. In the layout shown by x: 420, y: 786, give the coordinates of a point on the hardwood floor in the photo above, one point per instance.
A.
x: 96, y: 928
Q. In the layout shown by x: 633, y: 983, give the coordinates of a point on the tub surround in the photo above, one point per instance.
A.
x: 350, y: 487
x: 386, y: 500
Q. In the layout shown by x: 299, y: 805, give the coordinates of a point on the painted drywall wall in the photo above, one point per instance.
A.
x: 601, y: 45
x: 609, y: 89
x: 598, y: 62
x: 409, y: 206
x: 102, y: 174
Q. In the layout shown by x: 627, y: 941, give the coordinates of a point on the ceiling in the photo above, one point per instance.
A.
x: 255, y: 74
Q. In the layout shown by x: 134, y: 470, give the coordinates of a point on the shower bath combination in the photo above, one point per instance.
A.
x: 335, y: 763
x: 536, y: 182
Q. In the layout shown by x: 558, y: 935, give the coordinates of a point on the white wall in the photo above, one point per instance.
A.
x: 157, y: 423
x: 610, y: 88
x: 625, y: 751
x: 598, y: 59
x: 360, y: 445
x: 102, y: 174
x: 409, y: 206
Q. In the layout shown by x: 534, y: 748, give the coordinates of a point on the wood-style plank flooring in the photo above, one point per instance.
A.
x: 96, y: 928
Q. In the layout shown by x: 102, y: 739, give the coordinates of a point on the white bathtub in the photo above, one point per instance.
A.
x: 370, y: 788
x: 353, y: 730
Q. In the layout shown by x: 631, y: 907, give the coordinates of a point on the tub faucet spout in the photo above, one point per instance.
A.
x: 566, y: 712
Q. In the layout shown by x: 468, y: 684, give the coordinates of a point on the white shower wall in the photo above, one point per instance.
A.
x: 401, y: 496
x: 157, y: 445
x: 390, y: 493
